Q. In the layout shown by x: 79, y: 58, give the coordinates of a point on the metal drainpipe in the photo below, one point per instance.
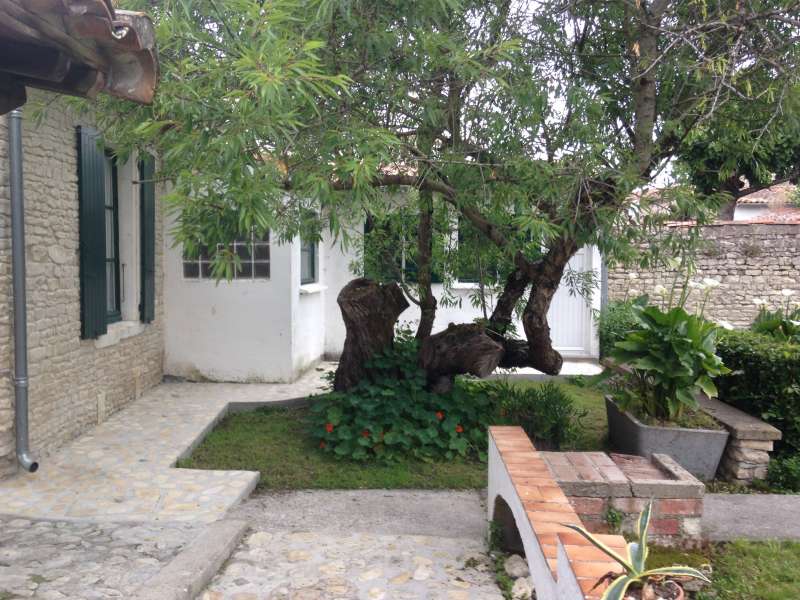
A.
x: 20, y: 307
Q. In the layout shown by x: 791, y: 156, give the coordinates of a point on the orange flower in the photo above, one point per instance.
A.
x: 322, y: 444
x: 365, y: 433
x: 329, y: 427
x: 439, y: 415
x: 459, y: 429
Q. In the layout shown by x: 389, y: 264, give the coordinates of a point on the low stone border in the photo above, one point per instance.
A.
x: 747, y: 454
x: 189, y: 572
x: 525, y: 498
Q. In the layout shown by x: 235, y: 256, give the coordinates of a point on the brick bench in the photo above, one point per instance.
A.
x: 524, y: 497
x: 598, y: 485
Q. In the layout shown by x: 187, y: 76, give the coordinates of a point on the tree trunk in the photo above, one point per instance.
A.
x: 541, y: 354
x: 459, y: 349
x: 427, y: 301
x: 503, y: 313
x: 370, y: 311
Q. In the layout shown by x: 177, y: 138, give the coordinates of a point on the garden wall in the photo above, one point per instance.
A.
x: 750, y: 261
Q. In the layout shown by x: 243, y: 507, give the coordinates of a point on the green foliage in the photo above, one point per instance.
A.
x: 393, y: 416
x: 493, y: 99
x: 781, y: 324
x: 616, y: 320
x: 279, y: 443
x: 668, y: 361
x: 546, y: 413
x: 784, y: 473
x: 635, y: 562
x: 613, y: 519
x: 764, y: 381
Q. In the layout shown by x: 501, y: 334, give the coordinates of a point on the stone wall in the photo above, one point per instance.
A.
x: 74, y: 383
x: 750, y: 261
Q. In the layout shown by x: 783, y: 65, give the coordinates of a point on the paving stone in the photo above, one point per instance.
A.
x: 62, y: 569
x: 357, y: 566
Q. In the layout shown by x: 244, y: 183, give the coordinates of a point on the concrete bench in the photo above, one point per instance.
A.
x: 530, y: 508
x: 747, y: 454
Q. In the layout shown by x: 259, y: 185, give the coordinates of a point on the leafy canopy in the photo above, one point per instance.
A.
x: 532, y: 121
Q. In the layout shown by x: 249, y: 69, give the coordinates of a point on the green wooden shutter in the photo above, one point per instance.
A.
x: 147, y: 195
x: 92, y: 231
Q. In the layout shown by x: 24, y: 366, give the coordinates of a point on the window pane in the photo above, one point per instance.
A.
x: 205, y: 270
x: 111, y: 287
x: 109, y: 182
x: 246, y: 271
x: 261, y: 270
x: 243, y: 250
x: 110, y: 233
x: 191, y: 269
x: 308, y: 259
x: 261, y: 251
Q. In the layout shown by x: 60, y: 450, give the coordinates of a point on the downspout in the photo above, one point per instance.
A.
x: 20, y: 307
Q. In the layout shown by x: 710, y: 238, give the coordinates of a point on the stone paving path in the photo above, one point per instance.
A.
x: 729, y: 517
x: 365, y: 544
x: 67, y: 560
x: 122, y: 469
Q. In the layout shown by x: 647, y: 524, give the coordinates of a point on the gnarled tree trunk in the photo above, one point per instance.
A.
x: 370, y: 311
x: 459, y: 349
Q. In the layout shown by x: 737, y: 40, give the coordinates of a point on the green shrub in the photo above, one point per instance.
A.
x: 393, y: 416
x: 668, y: 361
x: 546, y: 413
x: 764, y: 382
x: 784, y: 473
x: 616, y: 320
x: 783, y: 325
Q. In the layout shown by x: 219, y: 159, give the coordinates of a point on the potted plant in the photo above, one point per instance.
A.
x: 656, y: 374
x: 637, y: 582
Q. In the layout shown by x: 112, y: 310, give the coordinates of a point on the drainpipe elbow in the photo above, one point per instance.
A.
x: 27, y: 462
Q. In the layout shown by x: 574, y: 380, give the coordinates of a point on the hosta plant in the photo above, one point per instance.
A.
x: 652, y: 583
x: 666, y: 362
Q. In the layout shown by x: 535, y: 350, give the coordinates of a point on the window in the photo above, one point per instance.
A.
x: 253, y: 256
x: 111, y: 205
x: 308, y: 262
x: 117, y: 236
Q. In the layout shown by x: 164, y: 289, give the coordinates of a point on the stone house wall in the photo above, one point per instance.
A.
x: 750, y: 261
x: 74, y: 383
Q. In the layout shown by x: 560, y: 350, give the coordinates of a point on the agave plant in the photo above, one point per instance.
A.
x: 635, y: 565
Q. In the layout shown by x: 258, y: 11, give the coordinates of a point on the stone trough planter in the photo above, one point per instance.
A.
x: 697, y: 450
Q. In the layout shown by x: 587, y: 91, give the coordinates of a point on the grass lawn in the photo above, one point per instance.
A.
x: 742, y: 570
x: 275, y: 442
x: 595, y: 424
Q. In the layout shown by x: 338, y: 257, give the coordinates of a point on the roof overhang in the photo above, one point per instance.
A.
x: 76, y: 47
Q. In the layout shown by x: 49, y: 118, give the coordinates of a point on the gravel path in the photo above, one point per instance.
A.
x: 367, y: 544
x: 57, y: 560
x: 751, y: 516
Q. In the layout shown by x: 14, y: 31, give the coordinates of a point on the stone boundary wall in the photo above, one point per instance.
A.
x: 74, y: 383
x: 750, y: 261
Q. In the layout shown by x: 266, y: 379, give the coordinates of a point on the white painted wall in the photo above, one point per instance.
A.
x: 273, y: 330
x: 229, y: 331
x: 254, y: 330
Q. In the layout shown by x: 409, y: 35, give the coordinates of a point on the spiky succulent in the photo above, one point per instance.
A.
x: 635, y: 565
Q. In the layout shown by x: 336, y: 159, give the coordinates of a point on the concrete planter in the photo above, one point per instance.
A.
x: 696, y: 450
